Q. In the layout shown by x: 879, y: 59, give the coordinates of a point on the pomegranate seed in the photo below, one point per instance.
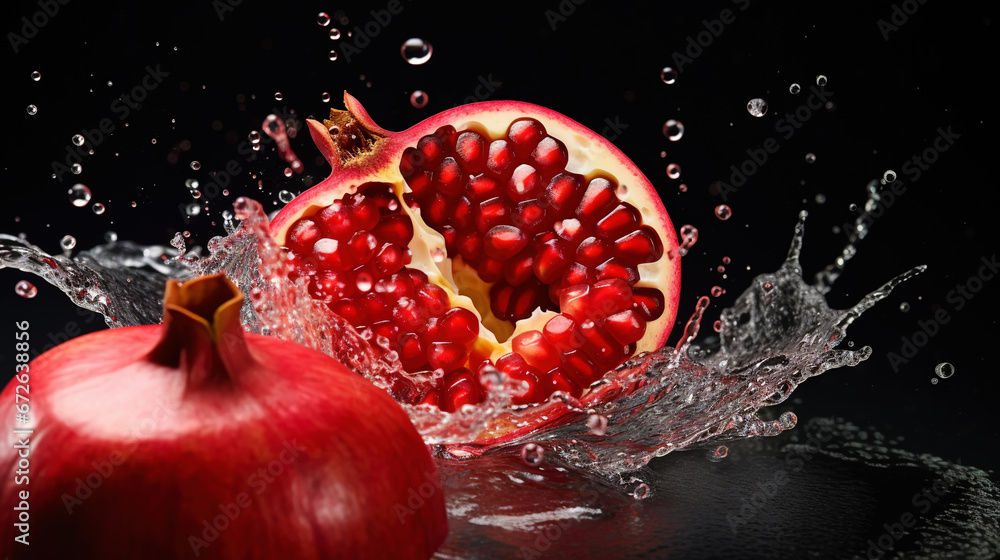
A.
x: 640, y: 246
x: 437, y: 210
x: 471, y: 151
x: 421, y: 183
x: 524, y: 135
x: 524, y: 183
x: 626, y: 326
x: 459, y: 325
x: 390, y: 259
x: 524, y: 377
x: 470, y: 247
x: 500, y: 157
x: 562, y: 192
x: 593, y: 251
x: 649, y: 303
x: 598, y: 200
x: 431, y: 150
x: 561, y: 331
x: 524, y: 301
x: 446, y: 355
x: 411, y: 352
x: 503, y: 242
x: 433, y: 298
x: 334, y: 222
x: 327, y: 252
x: 461, y: 215
x: 408, y: 315
x: 529, y: 215
x: 417, y: 276
x: 616, y: 268
x: 622, y: 219
x: 536, y: 350
x: 388, y: 329
x: 561, y: 381
x: 450, y: 177
x: 459, y: 389
x: 519, y: 270
x: 570, y: 229
x: 349, y: 310
x: 361, y: 247
x: 483, y: 187
x: 491, y: 213
x: 575, y: 301
x: 409, y: 164
x: 447, y: 134
x: 364, y: 213
x: 605, y: 351
x: 550, y: 155
x: 577, y: 365
x: 578, y: 274
x: 500, y: 298
x: 490, y: 270
x: 450, y: 236
x: 395, y: 286
x: 303, y: 235
x: 550, y: 261
x: 611, y: 296
x: 396, y: 229
x: 374, y: 306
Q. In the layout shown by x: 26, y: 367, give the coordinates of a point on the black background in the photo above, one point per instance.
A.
x: 599, y: 63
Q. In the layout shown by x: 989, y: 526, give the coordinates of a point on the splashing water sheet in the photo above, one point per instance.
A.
x: 166, y: 166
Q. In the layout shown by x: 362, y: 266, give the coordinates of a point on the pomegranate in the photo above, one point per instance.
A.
x: 493, y: 234
x: 195, y: 439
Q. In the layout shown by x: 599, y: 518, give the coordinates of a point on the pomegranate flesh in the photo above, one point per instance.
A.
x: 497, y: 234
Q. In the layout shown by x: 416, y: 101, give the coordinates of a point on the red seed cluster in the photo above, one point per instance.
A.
x: 543, y: 237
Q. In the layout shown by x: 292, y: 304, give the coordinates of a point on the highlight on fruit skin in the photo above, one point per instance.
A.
x: 496, y: 234
x: 195, y: 439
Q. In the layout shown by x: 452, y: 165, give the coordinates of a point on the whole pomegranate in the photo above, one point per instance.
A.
x: 194, y: 439
x: 497, y: 234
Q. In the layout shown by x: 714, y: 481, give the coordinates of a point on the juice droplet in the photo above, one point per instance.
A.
x: 726, y: 260
x: 25, y: 289
x: 794, y: 88
x: 322, y: 19
x: 325, y: 97
x: 278, y: 96
x: 718, y: 454
x: 288, y: 172
x: 821, y: 80
x: 532, y: 454
x: 193, y: 209
x: 682, y: 187
x: 335, y: 34
x: 36, y: 75
x: 889, y: 176
x: 76, y: 169
x: 77, y: 140
x: 723, y: 212
x: 673, y: 130
x: 904, y: 307
x: 668, y: 75
x: 673, y: 171
x: 67, y: 242
x: 416, y: 51
x: 717, y: 291
x: 98, y: 208
x: 333, y: 55
x: 196, y: 165
x: 944, y: 370
x: 110, y: 236
x: 79, y: 195
x: 419, y: 99
x: 810, y: 158
x: 717, y: 326
x: 597, y: 424
x: 254, y: 137
x: 32, y: 110
x: 757, y: 107
x: 286, y: 196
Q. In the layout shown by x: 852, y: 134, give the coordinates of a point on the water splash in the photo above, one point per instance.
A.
x: 778, y: 333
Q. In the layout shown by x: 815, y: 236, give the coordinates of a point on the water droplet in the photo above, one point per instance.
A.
x: 934, y: 381
x: 134, y: 204
x: 944, y: 370
x: 794, y: 88
x: 325, y: 98
x: 673, y: 171
x: 195, y: 165
x: 810, y: 158
x: 416, y: 51
x: 904, y: 307
x: 77, y: 140
x: 364, y: 281
x: 757, y: 107
x: 821, y: 80
x: 32, y: 110
x: 98, y: 208
x: 726, y: 260
x: 333, y: 55
x: 717, y: 291
x: 285, y: 196
x: 110, y: 236
x: 278, y: 96
x: 641, y: 491
x: 718, y: 454
x: 193, y: 209
x: 254, y: 137
x: 67, y: 242
x: 438, y: 254
x: 723, y: 212
x: 335, y: 34
x: 717, y: 326
x: 419, y: 99
x: 25, y: 289
x: 668, y: 75
x: 532, y: 454
x: 36, y: 75
x: 673, y: 130
x: 597, y: 424
x: 852, y: 207
x: 323, y: 19
x: 196, y: 194
x: 682, y: 187
x: 820, y: 198
x: 889, y: 176
x: 79, y: 195
x: 76, y: 169
x: 788, y: 420
x: 288, y: 172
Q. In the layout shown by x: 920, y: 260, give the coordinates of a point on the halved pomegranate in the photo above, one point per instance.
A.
x: 497, y: 233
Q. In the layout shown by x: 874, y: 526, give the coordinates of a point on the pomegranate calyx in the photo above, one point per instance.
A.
x: 349, y: 136
x: 202, y: 334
